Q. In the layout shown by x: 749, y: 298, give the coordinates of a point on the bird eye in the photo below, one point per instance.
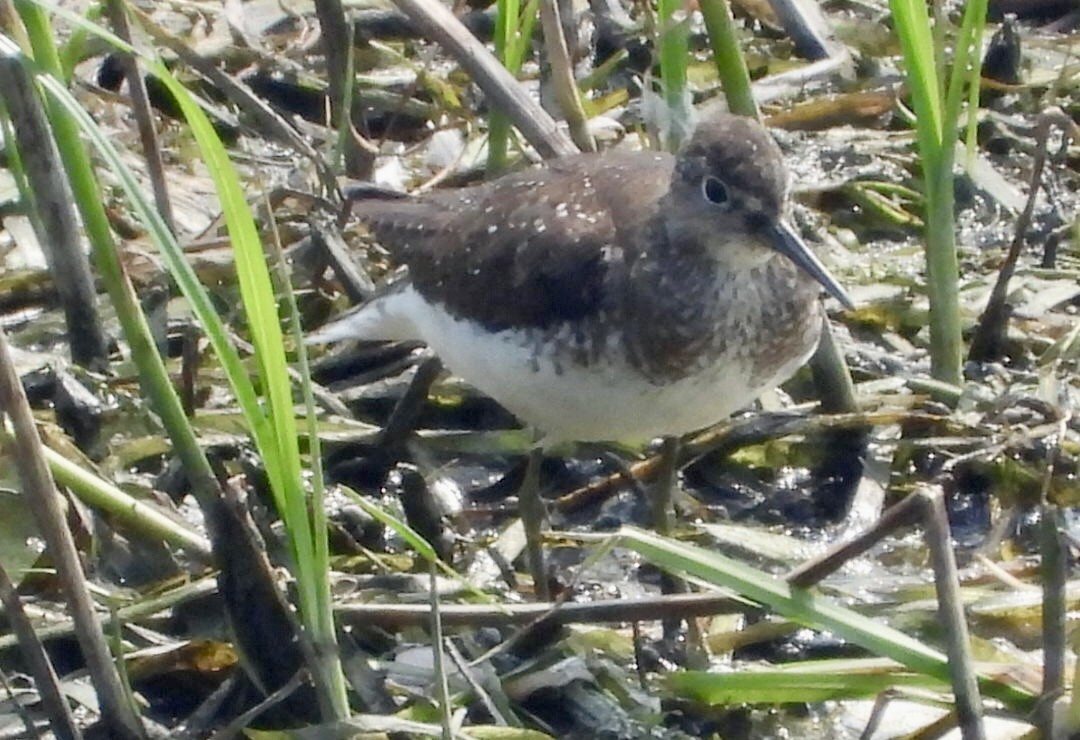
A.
x: 714, y: 191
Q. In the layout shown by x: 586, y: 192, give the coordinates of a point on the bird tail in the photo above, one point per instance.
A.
x: 378, y: 320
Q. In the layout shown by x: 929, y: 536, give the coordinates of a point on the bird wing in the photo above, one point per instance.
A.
x: 529, y: 250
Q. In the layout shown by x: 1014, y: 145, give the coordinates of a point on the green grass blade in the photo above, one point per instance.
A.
x: 674, y: 52
x: 917, y: 44
x: 506, y: 24
x: 803, y: 682
x: 936, y: 112
x: 966, y: 72
x: 728, y: 57
x: 273, y: 421
x: 808, y: 608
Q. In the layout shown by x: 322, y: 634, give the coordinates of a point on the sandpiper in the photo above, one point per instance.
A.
x: 620, y: 296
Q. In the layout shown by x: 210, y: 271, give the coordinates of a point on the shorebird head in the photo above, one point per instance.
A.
x: 729, y: 192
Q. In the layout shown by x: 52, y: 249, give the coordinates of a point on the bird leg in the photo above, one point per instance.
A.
x: 532, y: 513
x: 662, y: 513
x: 660, y: 502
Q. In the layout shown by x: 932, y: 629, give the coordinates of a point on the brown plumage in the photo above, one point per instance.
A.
x: 609, y: 296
